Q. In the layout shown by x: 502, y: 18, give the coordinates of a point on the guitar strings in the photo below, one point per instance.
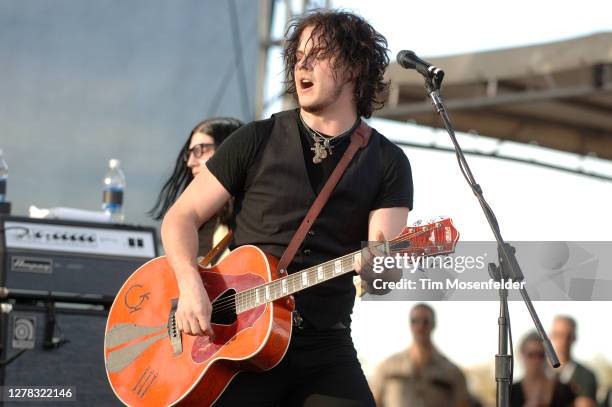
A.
x: 228, y: 304
x: 230, y: 299
x: 228, y: 307
x: 310, y: 269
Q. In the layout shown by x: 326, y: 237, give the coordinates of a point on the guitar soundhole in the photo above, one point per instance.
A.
x: 224, y: 308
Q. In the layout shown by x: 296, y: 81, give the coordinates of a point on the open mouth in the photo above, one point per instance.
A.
x: 305, y: 83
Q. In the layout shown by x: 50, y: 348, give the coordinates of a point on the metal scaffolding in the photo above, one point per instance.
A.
x: 556, y: 95
x: 276, y: 13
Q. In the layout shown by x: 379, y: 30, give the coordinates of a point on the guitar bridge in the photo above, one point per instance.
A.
x: 175, y: 335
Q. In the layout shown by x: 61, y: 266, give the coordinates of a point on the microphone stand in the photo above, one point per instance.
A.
x: 508, y: 266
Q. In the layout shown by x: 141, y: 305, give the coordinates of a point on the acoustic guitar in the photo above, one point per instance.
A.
x: 150, y: 363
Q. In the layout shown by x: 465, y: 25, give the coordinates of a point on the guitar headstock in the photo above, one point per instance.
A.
x: 431, y: 239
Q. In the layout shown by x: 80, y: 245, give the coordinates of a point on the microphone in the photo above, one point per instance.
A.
x: 409, y: 60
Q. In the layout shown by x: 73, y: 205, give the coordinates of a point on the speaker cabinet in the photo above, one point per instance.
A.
x: 56, y: 346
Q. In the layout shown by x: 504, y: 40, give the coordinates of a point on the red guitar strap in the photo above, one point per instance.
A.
x: 359, y: 139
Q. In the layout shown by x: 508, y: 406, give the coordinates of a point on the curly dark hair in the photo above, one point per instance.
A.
x: 355, y: 46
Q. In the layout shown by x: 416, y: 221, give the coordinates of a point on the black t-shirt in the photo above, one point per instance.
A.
x: 235, y: 162
x: 562, y: 396
x: 267, y: 166
x: 583, y: 382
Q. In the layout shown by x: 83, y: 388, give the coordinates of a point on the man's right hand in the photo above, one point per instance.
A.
x: 179, y: 233
x: 194, y: 308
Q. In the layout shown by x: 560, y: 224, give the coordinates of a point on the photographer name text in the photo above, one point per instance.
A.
x: 448, y: 284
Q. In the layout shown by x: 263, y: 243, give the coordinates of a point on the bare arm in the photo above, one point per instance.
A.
x: 384, y: 223
x: 377, y: 384
x: 199, y: 202
x: 583, y: 401
x: 388, y: 221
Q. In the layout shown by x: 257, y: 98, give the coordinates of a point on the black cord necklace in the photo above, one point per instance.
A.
x: 324, y: 146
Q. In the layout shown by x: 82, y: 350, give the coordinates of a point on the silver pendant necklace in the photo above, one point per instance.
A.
x: 322, y: 147
x: 321, y: 150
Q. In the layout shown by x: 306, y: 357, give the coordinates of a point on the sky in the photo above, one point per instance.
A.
x: 81, y: 82
x: 451, y: 27
x: 531, y: 203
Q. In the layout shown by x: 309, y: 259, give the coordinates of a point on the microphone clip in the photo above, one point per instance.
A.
x: 433, y: 81
x: 432, y: 74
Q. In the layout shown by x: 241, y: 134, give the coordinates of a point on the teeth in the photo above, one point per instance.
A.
x: 306, y: 81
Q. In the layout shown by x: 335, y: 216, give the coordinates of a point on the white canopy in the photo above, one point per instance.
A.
x: 558, y: 95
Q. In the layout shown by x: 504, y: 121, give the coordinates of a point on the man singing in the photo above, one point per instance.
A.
x: 274, y: 169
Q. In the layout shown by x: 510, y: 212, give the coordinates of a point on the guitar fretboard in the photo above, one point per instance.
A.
x: 435, y: 238
x: 295, y: 282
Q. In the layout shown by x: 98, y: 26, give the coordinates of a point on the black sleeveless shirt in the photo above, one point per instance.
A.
x: 267, y: 167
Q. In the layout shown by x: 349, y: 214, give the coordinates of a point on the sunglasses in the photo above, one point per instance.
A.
x: 198, y: 150
x: 421, y: 321
x: 533, y: 355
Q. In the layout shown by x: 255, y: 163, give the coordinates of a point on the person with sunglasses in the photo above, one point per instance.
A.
x: 537, y: 388
x: 420, y: 376
x: 203, y: 140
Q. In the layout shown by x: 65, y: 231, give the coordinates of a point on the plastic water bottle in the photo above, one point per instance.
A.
x: 3, y: 177
x: 114, y: 186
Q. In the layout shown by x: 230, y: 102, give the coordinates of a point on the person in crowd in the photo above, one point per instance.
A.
x: 582, y: 380
x: 538, y: 388
x: 607, y: 401
x: 420, y: 376
x: 201, y: 144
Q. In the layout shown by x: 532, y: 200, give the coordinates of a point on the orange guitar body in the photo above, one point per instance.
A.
x: 150, y: 363
x: 146, y: 368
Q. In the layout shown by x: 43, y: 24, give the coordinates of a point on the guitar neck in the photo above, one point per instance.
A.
x: 432, y: 239
x: 295, y: 282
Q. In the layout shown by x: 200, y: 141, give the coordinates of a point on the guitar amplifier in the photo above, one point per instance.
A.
x: 68, y: 260
x: 58, y: 347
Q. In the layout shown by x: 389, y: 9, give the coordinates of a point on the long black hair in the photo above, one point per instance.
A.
x: 218, y: 128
